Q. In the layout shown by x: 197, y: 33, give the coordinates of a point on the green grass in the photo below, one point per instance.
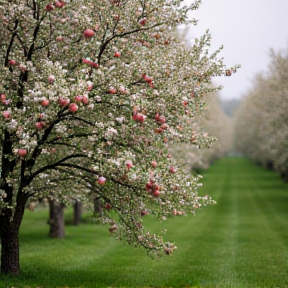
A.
x: 242, y: 241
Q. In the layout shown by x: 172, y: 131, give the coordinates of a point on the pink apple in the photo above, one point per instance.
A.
x: 143, y: 21
x: 162, y: 119
x: 39, y: 125
x: 172, y: 169
x: 157, y: 117
x: 22, y: 152
x: 129, y: 164
x: 159, y: 130
x: 73, y: 108
x: 49, y: 7
x: 148, y: 186
x: 185, y: 102
x: 123, y: 90
x: 64, y: 102
x: 60, y: 38
x: 139, y: 117
x: 45, y: 103
x: 78, y: 98
x: 91, y: 63
x: 101, y: 180
x: 89, y: 86
x: 164, y: 126
x: 108, y: 206
x: 51, y: 79
x: 22, y: 67
x: 6, y: 114
x: 85, y: 100
x: 3, y: 97
x: 88, y: 33
x: 156, y: 193
x: 151, y: 84
x: 112, y: 90
x: 41, y: 115
x: 147, y: 78
x: 154, y: 164
x: 12, y: 62
x: 117, y: 54
x: 143, y: 213
x: 59, y: 4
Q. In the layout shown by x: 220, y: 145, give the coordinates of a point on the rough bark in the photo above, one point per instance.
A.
x: 56, y: 219
x: 77, y: 212
x: 9, y: 231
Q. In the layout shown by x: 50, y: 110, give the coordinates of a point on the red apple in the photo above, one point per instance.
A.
x: 162, y: 119
x: 60, y: 38
x: 101, y: 180
x: 45, y: 103
x: 143, y: 21
x: 172, y: 169
x: 154, y: 164
x: 78, y: 98
x: 88, y: 33
x: 22, y: 152
x: 157, y: 117
x: 39, y: 125
x: 144, y: 212
x: 59, y: 4
x: 6, y: 114
x: 156, y: 193
x: 117, y: 54
x: 108, y: 206
x: 73, y: 108
x: 64, y: 102
x: 51, y: 79
x: 129, y: 164
x: 85, y: 100
x: 89, y: 86
x: 112, y: 90
x: 3, y: 97
x: 12, y: 62
x: 49, y: 7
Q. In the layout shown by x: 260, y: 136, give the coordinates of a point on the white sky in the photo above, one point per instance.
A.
x: 247, y: 29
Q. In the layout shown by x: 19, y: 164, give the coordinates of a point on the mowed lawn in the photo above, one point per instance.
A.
x: 242, y: 241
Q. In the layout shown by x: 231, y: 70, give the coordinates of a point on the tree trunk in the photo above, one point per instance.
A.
x: 9, y: 231
x: 77, y: 212
x: 10, y: 253
x: 98, y: 209
x: 56, y: 219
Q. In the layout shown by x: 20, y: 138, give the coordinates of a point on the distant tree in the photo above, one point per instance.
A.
x: 91, y: 93
x: 230, y: 106
x: 261, y: 122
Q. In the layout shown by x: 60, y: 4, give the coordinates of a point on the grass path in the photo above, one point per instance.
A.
x: 242, y: 241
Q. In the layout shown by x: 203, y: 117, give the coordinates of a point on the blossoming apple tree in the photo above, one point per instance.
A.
x: 91, y: 93
x: 263, y: 114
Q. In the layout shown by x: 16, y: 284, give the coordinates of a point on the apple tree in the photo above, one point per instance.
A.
x: 261, y: 121
x: 92, y: 92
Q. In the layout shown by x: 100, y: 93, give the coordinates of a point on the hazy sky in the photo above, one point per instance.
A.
x: 247, y: 29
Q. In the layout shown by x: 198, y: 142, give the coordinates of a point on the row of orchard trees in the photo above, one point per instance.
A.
x: 211, y: 122
x: 261, y: 122
x: 92, y: 94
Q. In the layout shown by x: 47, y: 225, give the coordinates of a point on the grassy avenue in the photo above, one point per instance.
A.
x: 242, y: 241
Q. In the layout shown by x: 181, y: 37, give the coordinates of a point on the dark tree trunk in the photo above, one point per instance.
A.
x: 77, y: 212
x: 98, y: 209
x: 56, y: 219
x: 10, y: 252
x: 9, y: 231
